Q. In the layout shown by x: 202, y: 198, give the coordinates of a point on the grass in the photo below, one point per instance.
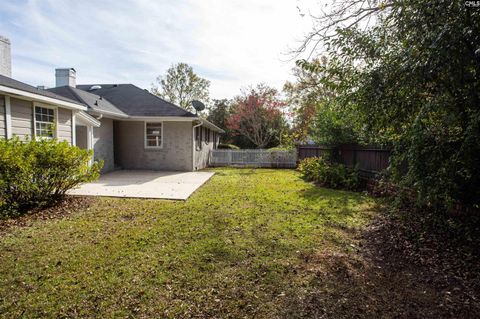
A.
x: 241, y: 246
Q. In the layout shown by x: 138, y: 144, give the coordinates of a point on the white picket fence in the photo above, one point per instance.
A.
x: 253, y: 158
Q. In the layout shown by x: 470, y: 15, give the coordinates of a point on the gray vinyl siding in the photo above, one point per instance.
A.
x: 176, y: 154
x: 3, y: 132
x: 103, y: 144
x: 22, y: 120
x: 64, y: 123
x: 207, y: 144
x: 22, y: 117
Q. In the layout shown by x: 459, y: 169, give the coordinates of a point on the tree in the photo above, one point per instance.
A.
x: 410, y: 72
x: 218, y: 114
x: 257, y: 115
x: 333, y: 126
x: 181, y: 85
x: 305, y: 96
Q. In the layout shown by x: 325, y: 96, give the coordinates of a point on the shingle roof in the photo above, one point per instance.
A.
x: 14, y: 84
x: 135, y: 101
x: 92, y: 101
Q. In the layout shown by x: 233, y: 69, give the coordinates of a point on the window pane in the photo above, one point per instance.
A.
x: 44, y: 115
x: 153, y: 134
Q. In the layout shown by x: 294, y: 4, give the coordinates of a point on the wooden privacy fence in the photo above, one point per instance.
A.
x: 253, y: 158
x: 369, y: 160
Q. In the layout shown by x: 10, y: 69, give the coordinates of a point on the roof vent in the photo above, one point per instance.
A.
x: 95, y: 87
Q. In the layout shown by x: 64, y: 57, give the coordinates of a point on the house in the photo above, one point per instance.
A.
x: 127, y: 127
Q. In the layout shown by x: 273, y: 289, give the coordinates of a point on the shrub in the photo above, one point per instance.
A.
x: 37, y: 173
x: 326, y: 173
x: 281, y: 148
x: 228, y: 146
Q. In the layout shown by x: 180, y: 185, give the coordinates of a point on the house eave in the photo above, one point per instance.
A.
x: 108, y: 114
x: 161, y: 118
x: 87, y: 119
x: 210, y: 125
x: 40, y: 98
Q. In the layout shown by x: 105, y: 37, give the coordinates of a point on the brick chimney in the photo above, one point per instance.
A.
x: 65, y: 76
x: 5, y: 57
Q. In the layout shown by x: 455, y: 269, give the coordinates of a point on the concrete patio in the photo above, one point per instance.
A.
x: 145, y: 184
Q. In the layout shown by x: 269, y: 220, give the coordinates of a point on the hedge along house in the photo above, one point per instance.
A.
x: 29, y: 112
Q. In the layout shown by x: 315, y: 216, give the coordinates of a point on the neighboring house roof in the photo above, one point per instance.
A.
x: 20, y: 86
x: 93, y: 101
x: 135, y: 101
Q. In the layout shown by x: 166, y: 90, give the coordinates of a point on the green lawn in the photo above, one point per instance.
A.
x: 241, y: 246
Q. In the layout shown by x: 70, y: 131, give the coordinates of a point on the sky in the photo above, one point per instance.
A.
x: 232, y: 43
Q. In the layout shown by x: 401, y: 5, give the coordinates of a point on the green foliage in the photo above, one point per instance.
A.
x: 326, y: 173
x: 228, y: 146
x: 181, y: 85
x: 37, y: 173
x: 411, y: 78
x: 281, y: 148
x: 218, y: 113
x: 303, y: 97
x: 333, y: 126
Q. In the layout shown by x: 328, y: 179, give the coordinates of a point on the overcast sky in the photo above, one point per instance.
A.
x: 232, y: 43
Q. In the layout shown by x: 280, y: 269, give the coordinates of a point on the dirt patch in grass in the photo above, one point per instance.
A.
x: 60, y: 210
x: 407, y: 265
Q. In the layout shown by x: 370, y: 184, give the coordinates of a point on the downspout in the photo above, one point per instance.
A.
x: 193, y: 144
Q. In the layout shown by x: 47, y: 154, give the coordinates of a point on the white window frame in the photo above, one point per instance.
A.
x: 55, y: 120
x: 145, y: 135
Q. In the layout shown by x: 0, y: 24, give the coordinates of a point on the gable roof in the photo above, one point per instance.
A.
x: 20, y: 86
x: 94, y: 102
x: 134, y: 101
x: 126, y: 101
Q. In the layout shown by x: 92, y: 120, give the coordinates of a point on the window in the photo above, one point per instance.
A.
x: 153, y: 135
x: 44, y: 122
x: 207, y: 135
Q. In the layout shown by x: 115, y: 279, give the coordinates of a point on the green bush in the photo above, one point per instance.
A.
x: 228, y: 146
x: 326, y: 173
x: 281, y: 148
x: 37, y: 173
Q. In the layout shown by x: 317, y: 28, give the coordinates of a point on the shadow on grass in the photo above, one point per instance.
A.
x: 408, y: 266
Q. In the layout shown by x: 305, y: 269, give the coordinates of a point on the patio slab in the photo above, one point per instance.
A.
x: 145, y: 184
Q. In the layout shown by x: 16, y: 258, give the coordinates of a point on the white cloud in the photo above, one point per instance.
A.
x: 232, y: 43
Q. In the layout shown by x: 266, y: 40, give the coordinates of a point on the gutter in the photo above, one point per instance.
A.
x: 211, y: 125
x: 193, y: 144
x: 108, y: 113
x: 88, y: 118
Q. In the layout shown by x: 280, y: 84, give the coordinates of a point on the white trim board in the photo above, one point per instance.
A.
x: 74, y: 129
x: 8, y: 117
x: 86, y: 119
x: 41, y: 98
